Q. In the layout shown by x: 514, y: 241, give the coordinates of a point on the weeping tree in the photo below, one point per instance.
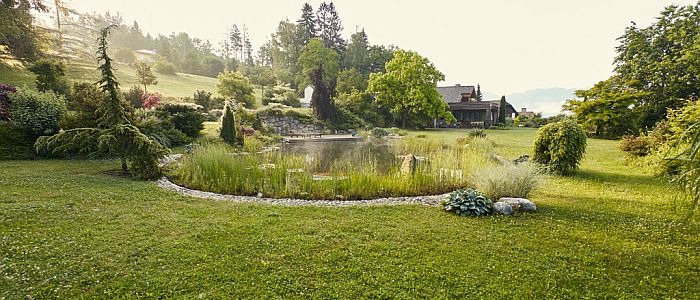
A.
x: 114, y: 135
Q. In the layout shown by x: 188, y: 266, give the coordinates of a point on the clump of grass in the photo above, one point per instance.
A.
x: 223, y: 169
x: 508, y: 180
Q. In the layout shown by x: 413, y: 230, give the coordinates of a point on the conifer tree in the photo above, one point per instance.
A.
x: 114, y: 135
x: 502, y: 111
x: 330, y: 27
x: 479, y: 95
x: 307, y: 24
x: 227, y: 132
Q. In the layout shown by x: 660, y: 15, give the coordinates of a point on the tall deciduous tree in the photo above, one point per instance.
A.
x: 409, y: 89
x: 356, y: 55
x: 235, y: 86
x: 320, y: 67
x: 330, y: 27
x: 145, y: 75
x: 115, y: 135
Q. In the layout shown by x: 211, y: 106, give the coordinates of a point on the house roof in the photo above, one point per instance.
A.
x: 453, y: 94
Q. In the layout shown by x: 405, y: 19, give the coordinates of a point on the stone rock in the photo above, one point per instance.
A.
x: 520, y: 204
x: 503, y: 208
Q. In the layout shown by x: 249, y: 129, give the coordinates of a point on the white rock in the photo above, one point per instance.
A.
x: 521, y: 204
x: 503, y: 208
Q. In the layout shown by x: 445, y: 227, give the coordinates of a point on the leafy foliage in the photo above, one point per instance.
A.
x: 37, y: 113
x: 319, y: 66
x: 151, y: 100
x: 234, y: 85
x: 469, y: 202
x: 145, y: 75
x: 185, y: 118
x: 14, y: 143
x: 409, y: 89
x: 5, y: 91
x: 560, y: 146
x: 165, y: 67
x: 49, y: 76
x: 203, y: 99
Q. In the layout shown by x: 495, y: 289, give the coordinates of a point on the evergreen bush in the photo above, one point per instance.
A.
x: 228, y: 131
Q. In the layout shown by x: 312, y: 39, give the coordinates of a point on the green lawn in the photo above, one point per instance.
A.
x: 67, y: 230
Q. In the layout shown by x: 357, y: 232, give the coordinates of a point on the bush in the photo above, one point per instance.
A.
x: 14, y: 143
x: 508, y: 180
x: 228, y: 130
x: 469, y: 202
x: 135, y: 96
x: 203, y: 99
x: 37, y: 113
x: 398, y: 131
x: 477, y: 133
x: 560, y: 146
x: 165, y: 67
x: 636, y: 146
x: 5, y: 91
x: 379, y: 132
x: 77, y: 119
x: 162, y: 132
x: 151, y: 100
x: 125, y: 55
x: 183, y: 117
x: 49, y: 76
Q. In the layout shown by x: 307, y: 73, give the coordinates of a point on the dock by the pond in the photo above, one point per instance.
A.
x: 322, y: 138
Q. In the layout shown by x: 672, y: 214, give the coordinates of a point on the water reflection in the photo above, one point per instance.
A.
x: 322, y: 156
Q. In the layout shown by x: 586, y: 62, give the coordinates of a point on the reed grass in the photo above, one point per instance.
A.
x: 278, y: 174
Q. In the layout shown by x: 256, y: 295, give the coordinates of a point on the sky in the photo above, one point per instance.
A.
x: 506, y: 46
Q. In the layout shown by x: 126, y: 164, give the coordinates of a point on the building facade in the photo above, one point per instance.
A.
x: 469, y: 111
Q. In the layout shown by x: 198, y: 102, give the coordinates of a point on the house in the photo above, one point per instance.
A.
x: 468, y: 110
x: 145, y: 55
x: 524, y: 112
x: 306, y: 99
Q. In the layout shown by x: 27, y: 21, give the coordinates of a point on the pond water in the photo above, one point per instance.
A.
x: 322, y: 156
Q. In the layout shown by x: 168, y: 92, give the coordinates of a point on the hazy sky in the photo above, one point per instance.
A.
x: 506, y: 46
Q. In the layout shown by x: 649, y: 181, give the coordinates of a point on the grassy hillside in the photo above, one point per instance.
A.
x: 180, y: 85
x: 70, y: 231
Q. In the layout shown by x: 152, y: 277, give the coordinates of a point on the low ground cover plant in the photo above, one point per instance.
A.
x: 469, y: 202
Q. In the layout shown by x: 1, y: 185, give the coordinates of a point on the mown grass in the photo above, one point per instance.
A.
x: 68, y: 231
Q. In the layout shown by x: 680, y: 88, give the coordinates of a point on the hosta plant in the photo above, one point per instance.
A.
x: 469, y: 202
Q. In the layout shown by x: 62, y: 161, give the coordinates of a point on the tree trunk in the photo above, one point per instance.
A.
x: 125, y: 169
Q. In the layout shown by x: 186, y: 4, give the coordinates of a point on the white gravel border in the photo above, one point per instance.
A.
x: 433, y: 200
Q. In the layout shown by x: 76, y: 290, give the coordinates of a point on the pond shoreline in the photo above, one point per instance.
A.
x: 430, y: 200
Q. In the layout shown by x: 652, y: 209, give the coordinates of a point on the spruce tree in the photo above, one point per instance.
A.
x: 479, y: 95
x: 502, y: 111
x: 307, y: 23
x: 227, y: 132
x: 114, y: 135
x: 330, y: 27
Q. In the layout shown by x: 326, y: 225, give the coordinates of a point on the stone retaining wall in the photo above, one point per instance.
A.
x: 287, y: 124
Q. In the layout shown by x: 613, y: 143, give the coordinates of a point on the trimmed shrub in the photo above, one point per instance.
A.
x: 508, y: 180
x: 185, y: 118
x: 469, y: 202
x: 560, y: 146
x: 14, y: 143
x: 37, y: 113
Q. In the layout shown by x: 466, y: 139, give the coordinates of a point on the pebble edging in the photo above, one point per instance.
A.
x: 432, y: 200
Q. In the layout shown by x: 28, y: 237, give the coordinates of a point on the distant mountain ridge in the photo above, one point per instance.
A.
x: 546, y: 101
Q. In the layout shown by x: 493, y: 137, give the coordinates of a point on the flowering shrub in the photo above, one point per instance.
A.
x: 5, y: 91
x: 151, y: 100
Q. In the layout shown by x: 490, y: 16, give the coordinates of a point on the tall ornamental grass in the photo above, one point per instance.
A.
x: 508, y: 180
x: 442, y: 168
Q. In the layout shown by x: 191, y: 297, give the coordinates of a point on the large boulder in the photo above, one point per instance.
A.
x: 520, y: 204
x: 503, y: 208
